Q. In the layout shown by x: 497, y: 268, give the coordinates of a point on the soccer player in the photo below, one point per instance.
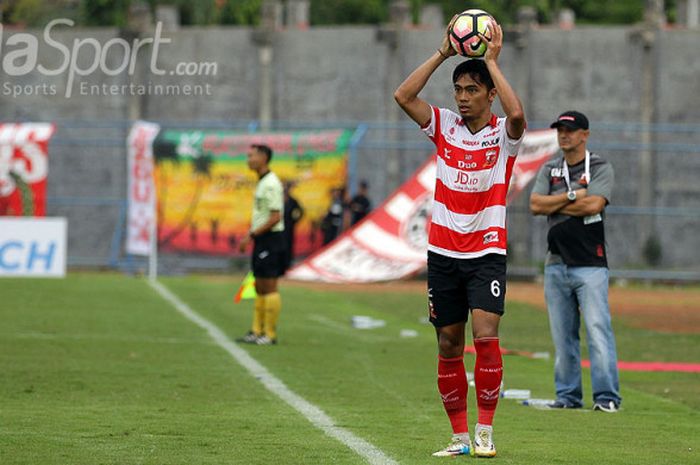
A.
x: 269, y: 250
x: 476, y: 151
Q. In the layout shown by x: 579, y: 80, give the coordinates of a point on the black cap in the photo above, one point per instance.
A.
x: 571, y: 119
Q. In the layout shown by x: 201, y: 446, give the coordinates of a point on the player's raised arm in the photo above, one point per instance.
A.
x: 515, y: 124
x: 406, y: 95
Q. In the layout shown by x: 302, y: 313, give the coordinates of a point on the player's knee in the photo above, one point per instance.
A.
x: 484, y: 324
x: 479, y: 333
x: 450, y: 346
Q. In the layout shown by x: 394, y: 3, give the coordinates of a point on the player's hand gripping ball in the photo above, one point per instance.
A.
x: 464, y: 33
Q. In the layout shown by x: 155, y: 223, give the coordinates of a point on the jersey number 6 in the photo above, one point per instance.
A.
x: 495, y: 288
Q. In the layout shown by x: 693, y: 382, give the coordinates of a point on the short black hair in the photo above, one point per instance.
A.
x: 476, y: 69
x: 264, y: 149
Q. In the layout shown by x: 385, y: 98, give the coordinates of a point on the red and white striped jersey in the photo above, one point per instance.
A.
x: 472, y: 179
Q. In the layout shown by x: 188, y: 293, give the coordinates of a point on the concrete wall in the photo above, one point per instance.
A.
x: 348, y: 74
x: 330, y: 74
x: 234, y: 89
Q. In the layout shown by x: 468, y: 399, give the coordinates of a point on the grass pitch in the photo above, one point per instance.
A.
x: 98, y: 369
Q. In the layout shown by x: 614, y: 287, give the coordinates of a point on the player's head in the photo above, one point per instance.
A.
x: 259, y: 156
x: 264, y: 150
x: 474, y: 88
x: 477, y: 70
x: 572, y: 130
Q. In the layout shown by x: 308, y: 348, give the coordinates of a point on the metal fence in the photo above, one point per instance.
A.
x: 651, y: 224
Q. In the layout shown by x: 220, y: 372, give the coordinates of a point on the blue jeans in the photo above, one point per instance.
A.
x: 568, y: 289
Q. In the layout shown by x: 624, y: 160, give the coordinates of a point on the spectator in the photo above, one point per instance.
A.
x: 293, y: 212
x: 332, y: 223
x: 360, y: 204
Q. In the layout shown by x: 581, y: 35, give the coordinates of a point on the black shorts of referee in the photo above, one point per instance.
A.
x: 269, y: 255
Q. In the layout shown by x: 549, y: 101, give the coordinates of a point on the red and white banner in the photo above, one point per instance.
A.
x: 141, y: 189
x: 536, y: 148
x: 391, y: 243
x: 24, y: 167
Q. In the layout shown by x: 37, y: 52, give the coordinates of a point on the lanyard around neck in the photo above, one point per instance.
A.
x: 586, y: 172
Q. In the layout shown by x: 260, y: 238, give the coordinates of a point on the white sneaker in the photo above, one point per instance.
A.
x: 607, y: 407
x: 265, y: 341
x: 483, y: 441
x: 249, y: 338
x: 456, y: 447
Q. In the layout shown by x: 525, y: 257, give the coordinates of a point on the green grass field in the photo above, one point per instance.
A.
x: 99, y: 369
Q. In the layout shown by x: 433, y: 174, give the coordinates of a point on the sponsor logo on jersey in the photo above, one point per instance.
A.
x: 463, y: 179
x: 470, y: 143
x: 491, y: 236
x: 465, y: 165
x: 491, y: 142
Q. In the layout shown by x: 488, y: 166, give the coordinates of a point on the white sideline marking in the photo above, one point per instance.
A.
x: 315, y: 415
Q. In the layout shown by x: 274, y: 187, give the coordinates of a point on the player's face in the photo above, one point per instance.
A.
x: 256, y: 159
x: 571, y: 139
x: 473, y: 98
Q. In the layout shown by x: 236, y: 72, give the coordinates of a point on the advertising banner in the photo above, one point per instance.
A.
x: 24, y: 166
x: 391, y: 243
x: 141, y: 190
x: 32, y: 247
x: 205, y: 189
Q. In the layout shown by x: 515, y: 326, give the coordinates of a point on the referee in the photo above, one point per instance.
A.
x: 269, y: 251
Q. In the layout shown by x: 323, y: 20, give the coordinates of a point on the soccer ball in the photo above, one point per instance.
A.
x: 464, y: 30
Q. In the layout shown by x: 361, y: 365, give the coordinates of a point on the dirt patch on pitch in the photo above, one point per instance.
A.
x: 668, y: 310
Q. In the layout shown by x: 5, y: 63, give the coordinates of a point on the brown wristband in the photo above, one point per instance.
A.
x: 442, y: 54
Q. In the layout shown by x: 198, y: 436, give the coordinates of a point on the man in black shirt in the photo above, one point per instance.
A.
x: 293, y: 212
x: 573, y: 191
x: 332, y: 223
x: 360, y: 204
